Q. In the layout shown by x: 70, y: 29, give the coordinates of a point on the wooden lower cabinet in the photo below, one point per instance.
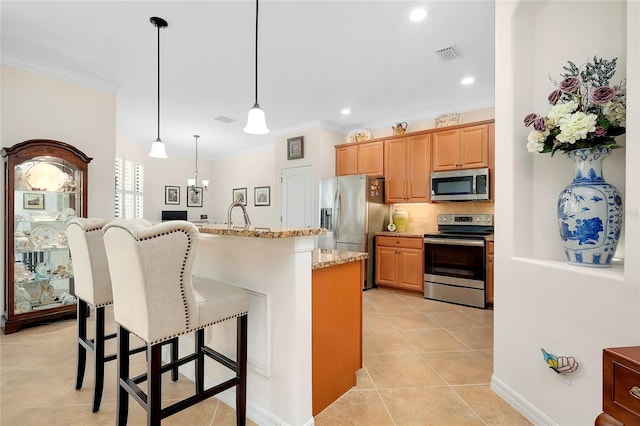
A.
x: 620, y: 387
x: 489, y: 273
x: 336, y: 331
x: 400, y: 262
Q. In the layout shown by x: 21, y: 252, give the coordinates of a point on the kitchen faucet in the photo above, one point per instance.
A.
x: 247, y: 221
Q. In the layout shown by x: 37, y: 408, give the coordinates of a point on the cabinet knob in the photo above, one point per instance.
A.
x: 635, y: 392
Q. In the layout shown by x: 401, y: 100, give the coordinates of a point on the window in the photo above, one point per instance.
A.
x: 129, y: 189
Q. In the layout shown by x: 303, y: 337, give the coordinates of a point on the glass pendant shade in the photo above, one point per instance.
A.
x: 157, y: 150
x: 205, y: 183
x: 256, y: 122
x: 191, y: 182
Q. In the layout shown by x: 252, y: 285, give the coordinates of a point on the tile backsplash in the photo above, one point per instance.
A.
x: 423, y: 217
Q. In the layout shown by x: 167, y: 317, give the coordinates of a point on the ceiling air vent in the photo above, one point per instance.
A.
x: 447, y: 53
x: 224, y: 119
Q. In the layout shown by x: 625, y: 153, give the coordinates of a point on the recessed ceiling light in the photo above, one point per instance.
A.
x: 468, y: 80
x: 417, y: 15
x: 345, y: 111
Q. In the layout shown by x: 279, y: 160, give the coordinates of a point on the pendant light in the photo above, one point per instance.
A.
x: 192, y: 184
x: 256, y: 124
x: 157, y: 148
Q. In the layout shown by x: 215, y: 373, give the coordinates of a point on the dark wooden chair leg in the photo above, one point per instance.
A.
x: 99, y: 344
x: 123, y: 375
x: 154, y: 391
x: 241, y: 362
x: 82, y: 334
x: 199, y: 361
x: 174, y: 359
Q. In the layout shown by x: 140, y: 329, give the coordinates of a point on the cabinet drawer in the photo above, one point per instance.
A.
x: 625, y: 381
x: 415, y: 243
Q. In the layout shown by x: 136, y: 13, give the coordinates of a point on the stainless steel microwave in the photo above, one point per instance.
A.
x: 460, y: 185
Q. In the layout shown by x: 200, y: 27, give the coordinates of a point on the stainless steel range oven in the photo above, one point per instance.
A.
x: 455, y: 259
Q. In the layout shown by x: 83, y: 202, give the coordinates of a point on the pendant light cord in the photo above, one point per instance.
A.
x: 158, y: 82
x: 256, y: 73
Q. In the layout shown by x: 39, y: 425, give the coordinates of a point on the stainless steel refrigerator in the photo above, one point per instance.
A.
x: 352, y: 210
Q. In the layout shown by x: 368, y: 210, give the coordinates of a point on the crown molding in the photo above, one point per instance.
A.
x: 31, y: 65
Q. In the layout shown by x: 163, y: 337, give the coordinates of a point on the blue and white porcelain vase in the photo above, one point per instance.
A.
x: 589, y: 211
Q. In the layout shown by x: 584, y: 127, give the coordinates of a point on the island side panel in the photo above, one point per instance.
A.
x: 279, y: 269
x: 336, y: 331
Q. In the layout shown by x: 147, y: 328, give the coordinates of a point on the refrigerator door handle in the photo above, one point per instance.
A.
x: 336, y: 216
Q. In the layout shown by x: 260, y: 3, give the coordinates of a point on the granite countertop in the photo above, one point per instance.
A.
x: 322, y: 258
x: 399, y: 234
x: 258, y: 232
x: 489, y: 237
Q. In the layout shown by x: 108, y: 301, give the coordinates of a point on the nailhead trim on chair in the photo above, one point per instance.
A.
x: 184, y: 262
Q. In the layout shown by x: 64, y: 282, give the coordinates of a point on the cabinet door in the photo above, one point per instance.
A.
x: 346, y: 160
x: 418, y: 168
x: 386, y: 266
x: 395, y: 168
x: 445, y: 150
x: 410, y: 269
x: 492, y: 161
x: 474, y: 147
x: 371, y: 159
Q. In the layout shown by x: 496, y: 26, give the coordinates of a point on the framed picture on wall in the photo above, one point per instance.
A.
x: 194, y: 196
x: 172, y: 195
x: 295, y: 148
x: 262, y: 196
x: 240, y: 195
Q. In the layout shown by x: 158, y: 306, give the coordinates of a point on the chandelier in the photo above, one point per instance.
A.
x: 192, y: 184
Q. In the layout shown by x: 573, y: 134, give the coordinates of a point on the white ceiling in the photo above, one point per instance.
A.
x: 315, y: 58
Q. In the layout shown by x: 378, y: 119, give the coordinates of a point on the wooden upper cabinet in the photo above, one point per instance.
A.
x: 407, y: 168
x: 492, y: 161
x: 462, y: 148
x: 366, y: 159
x: 371, y: 159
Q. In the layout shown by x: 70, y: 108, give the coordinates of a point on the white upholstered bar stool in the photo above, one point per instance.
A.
x: 92, y: 287
x: 156, y: 298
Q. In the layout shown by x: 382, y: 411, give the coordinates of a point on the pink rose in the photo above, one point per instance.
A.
x: 602, y: 95
x: 540, y: 124
x: 528, y: 120
x: 554, y: 97
x: 570, y: 84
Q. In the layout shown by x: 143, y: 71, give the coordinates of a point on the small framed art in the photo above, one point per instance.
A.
x: 194, y: 196
x: 262, y: 196
x: 240, y: 195
x: 172, y: 195
x: 295, y: 148
x: 33, y: 201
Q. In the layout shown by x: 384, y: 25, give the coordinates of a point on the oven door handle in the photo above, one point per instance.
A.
x: 454, y: 242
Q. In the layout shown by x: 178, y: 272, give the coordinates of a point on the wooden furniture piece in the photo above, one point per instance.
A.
x: 620, y: 387
x: 407, y: 169
x: 461, y: 148
x: 336, y: 330
x: 161, y: 300
x: 360, y: 158
x: 45, y: 187
x: 489, y: 276
x: 399, y: 262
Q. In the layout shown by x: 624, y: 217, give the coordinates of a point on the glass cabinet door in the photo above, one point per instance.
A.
x: 46, y: 187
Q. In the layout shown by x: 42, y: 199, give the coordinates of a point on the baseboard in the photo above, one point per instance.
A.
x: 523, y: 406
x: 254, y: 412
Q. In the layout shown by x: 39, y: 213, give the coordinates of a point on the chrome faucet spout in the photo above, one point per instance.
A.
x: 247, y: 221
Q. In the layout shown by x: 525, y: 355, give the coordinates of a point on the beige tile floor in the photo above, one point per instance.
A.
x: 425, y: 363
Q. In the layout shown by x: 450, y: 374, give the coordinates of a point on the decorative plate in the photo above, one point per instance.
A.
x: 391, y: 227
x: 44, y: 269
x: 45, y: 236
x: 66, y: 214
x: 358, y: 135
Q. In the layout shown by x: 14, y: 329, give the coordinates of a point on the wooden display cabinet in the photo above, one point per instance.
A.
x: 45, y: 187
x: 400, y: 263
x: 620, y: 387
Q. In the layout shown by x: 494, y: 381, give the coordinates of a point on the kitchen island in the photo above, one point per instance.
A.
x: 299, y: 300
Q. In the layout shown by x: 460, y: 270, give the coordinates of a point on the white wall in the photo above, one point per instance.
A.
x: 540, y: 300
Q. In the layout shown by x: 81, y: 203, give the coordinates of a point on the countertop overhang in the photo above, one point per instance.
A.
x: 257, y: 232
x: 322, y: 258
